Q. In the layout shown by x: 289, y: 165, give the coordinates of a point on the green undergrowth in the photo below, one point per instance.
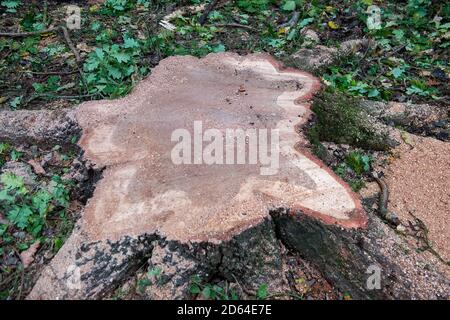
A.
x: 121, y: 40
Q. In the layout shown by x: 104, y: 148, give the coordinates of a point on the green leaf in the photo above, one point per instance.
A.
x: 206, y: 292
x: 3, y: 228
x: 19, y: 216
x: 130, y: 43
x: 218, y: 48
x: 262, y: 291
x: 41, y: 201
x: 12, y: 182
x: 99, y: 53
x: 194, y: 289
x: 114, y: 73
x: 305, y: 22
x: 398, y: 34
x: 16, y: 155
x: 289, y: 5
x: 11, y: 5
x: 397, y: 72
x: 373, y: 93
x: 16, y: 102
x: 58, y: 242
x: 121, y: 57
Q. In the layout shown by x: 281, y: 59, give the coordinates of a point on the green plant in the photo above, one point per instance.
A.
x: 11, y: 5
x: 115, y: 6
x: 358, y: 162
x: 253, y: 6
x: 211, y: 291
x: 355, y: 182
x: 28, y: 209
x: 352, y: 169
x: 109, y: 68
x: 262, y: 292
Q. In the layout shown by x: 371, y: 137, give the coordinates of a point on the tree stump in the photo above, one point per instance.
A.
x: 214, y: 211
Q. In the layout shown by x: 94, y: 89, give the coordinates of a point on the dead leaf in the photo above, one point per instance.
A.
x: 36, y: 166
x: 432, y: 82
x: 333, y: 25
x: 83, y: 47
x: 27, y: 256
x: 406, y: 138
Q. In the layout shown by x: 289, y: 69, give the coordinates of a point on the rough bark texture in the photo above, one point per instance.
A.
x: 344, y: 257
x: 43, y: 127
x: 250, y: 258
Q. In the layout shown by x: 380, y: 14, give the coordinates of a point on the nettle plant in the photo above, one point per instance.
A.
x: 28, y: 209
x: 109, y: 68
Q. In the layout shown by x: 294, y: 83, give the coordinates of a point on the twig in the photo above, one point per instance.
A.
x: 284, y: 294
x: 27, y: 34
x: 6, y: 280
x: 233, y: 25
x: 205, y: 13
x: 293, y: 21
x: 81, y: 96
x: 52, y: 72
x: 22, y: 274
x: 77, y: 55
x: 425, y: 239
x: 383, y: 201
x: 245, y: 292
x: 45, y: 14
x: 70, y: 43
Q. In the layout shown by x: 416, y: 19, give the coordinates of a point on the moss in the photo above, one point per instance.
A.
x: 339, y: 119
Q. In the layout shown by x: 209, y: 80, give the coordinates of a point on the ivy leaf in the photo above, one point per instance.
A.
x: 206, y: 292
x: 262, y: 291
x: 397, y: 72
x: 219, y: 48
x: 398, y: 34
x: 194, y: 289
x: 11, y: 5
x: 100, y: 53
x: 373, y: 93
x: 305, y: 22
x: 289, y: 5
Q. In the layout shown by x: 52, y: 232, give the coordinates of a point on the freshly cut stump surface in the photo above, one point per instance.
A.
x: 143, y: 191
x: 143, y: 194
